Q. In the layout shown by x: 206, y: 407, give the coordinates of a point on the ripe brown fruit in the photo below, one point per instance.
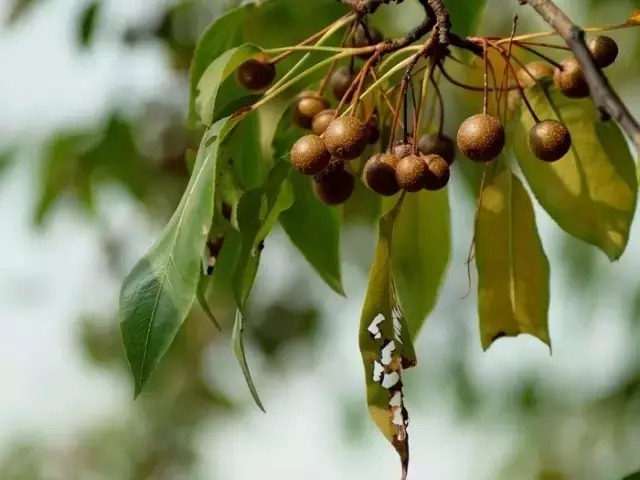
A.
x: 335, y: 164
x: 309, y: 155
x: 569, y: 79
x: 257, y: 73
x: 334, y: 188
x: 538, y: 70
x: 432, y: 143
x: 373, y: 129
x: 364, y: 38
x: 346, y: 137
x: 402, y: 149
x: 481, y: 138
x: 308, y: 106
x: 411, y: 173
x: 604, y: 50
x: 437, y: 172
x: 340, y: 81
x: 379, y: 174
x: 322, y: 120
x: 549, y: 140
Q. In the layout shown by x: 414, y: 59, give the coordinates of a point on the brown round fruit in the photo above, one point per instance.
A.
x: 322, y: 120
x: 411, y: 173
x: 257, y: 73
x: 569, y: 79
x: 334, y: 188
x: 604, y: 50
x: 379, y: 174
x: 437, y: 172
x: 549, y: 140
x: 340, y: 82
x: 364, y: 37
x: 402, y: 149
x: 373, y: 130
x: 309, y: 155
x: 533, y: 72
x: 481, y: 138
x: 432, y: 143
x: 346, y: 138
x: 308, y: 106
x: 335, y: 164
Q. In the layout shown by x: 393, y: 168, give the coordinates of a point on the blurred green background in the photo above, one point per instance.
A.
x: 93, y: 108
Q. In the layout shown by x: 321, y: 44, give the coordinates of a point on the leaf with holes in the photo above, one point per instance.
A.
x: 591, y: 192
x: 157, y: 295
x: 385, y: 345
x: 513, y: 270
x: 420, y: 253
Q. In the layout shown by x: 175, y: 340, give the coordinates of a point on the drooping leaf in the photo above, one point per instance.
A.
x: 591, y: 192
x: 201, y: 297
x: 157, y: 295
x: 420, y: 253
x: 386, y: 346
x: 245, y: 152
x: 258, y: 211
x: 513, y: 270
x: 312, y: 226
x: 215, y: 74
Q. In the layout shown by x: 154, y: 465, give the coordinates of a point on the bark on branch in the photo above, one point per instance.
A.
x: 603, y: 94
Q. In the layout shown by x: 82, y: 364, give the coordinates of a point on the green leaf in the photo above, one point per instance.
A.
x: 385, y: 345
x: 260, y: 24
x: 201, y: 297
x: 466, y: 15
x: 257, y: 213
x: 591, y: 192
x: 312, y: 226
x: 420, y: 252
x: 245, y: 151
x: 87, y: 23
x: 513, y: 270
x: 157, y: 295
x: 213, y: 77
x: 633, y: 476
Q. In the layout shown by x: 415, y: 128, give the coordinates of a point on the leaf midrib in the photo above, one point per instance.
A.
x: 165, y: 270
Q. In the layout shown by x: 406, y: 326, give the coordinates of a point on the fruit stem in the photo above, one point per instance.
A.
x: 325, y: 80
x: 500, y: 50
x: 472, y: 88
x: 545, y: 45
x: 424, y: 90
x: 507, y: 71
x: 436, y: 87
x: 485, y: 101
x: 382, y: 92
x: 541, y: 55
x: 533, y: 36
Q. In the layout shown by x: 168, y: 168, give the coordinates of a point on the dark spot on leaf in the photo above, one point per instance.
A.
x: 241, y: 111
x: 210, y: 141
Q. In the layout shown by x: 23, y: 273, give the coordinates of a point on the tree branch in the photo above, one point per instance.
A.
x: 603, y: 94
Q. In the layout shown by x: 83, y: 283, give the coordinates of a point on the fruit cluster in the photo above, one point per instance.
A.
x: 336, y: 139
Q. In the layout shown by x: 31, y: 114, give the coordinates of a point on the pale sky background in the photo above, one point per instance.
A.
x: 51, y: 276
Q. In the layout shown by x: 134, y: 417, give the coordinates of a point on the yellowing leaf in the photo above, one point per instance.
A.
x: 513, y: 270
x: 591, y: 192
x: 385, y: 345
x: 634, y: 18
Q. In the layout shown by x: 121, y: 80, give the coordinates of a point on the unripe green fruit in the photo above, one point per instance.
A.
x: 539, y: 70
x: 309, y: 104
x: 481, y: 138
x: 257, y: 73
x: 432, y: 143
x: 334, y: 188
x: 411, y: 173
x: 322, y: 120
x: 570, y: 80
x: 379, y: 174
x: 549, y: 140
x: 437, y: 172
x: 604, y: 50
x: 346, y: 138
x: 309, y: 155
